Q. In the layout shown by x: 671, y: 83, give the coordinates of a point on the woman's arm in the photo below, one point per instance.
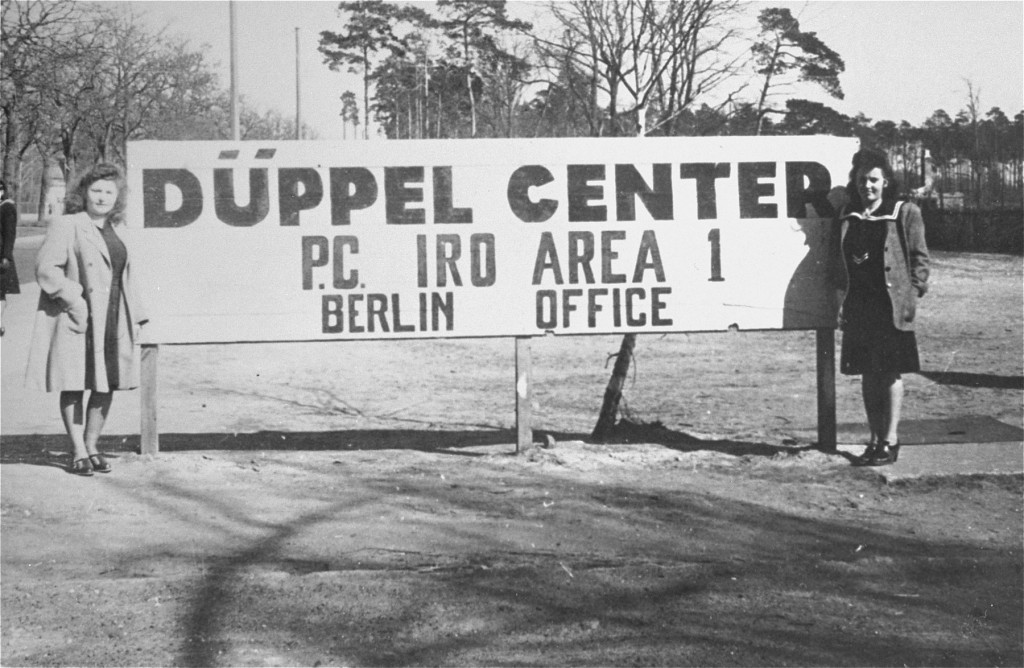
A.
x: 917, y: 249
x: 139, y: 313
x: 52, y: 261
x: 8, y: 230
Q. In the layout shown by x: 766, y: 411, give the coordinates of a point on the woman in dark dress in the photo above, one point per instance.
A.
x: 883, y: 261
x: 9, y: 284
x: 85, y: 337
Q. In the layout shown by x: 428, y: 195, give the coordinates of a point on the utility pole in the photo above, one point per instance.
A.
x: 235, y: 134
x: 298, y: 89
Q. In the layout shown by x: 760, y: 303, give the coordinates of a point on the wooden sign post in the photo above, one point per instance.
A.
x: 149, y: 431
x: 826, y: 370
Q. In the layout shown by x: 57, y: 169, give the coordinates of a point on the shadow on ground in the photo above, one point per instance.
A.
x: 627, y: 431
x: 787, y: 589
x: 51, y: 449
x: 986, y: 380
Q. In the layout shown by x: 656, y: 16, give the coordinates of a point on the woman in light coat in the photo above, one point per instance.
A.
x: 88, y: 315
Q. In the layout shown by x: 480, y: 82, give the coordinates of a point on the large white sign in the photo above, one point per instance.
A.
x: 276, y: 241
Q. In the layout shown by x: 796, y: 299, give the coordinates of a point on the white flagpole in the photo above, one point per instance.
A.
x: 235, y: 135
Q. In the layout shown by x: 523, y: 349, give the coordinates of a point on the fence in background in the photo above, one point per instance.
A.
x: 985, y: 230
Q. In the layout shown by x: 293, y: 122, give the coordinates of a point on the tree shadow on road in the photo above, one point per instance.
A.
x: 628, y: 431
x: 528, y: 567
x: 787, y: 588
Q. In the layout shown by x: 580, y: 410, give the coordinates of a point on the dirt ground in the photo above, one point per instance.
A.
x: 362, y: 504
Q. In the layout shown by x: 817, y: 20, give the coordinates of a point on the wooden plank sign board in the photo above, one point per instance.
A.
x: 310, y: 240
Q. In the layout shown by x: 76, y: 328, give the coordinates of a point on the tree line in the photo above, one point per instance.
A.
x: 466, y: 68
x: 79, y: 80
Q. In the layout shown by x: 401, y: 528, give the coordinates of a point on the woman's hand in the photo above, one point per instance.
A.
x: 78, y: 314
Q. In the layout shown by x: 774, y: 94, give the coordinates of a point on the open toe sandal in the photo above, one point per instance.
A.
x: 81, y: 467
x: 100, y: 464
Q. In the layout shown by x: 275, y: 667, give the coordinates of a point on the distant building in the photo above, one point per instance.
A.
x: 56, y: 190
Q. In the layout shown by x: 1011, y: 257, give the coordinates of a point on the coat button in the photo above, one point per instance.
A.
x: 888, y: 268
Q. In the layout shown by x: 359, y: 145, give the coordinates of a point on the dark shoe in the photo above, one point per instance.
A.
x: 100, y: 464
x: 81, y: 467
x: 883, y: 455
x: 867, y: 454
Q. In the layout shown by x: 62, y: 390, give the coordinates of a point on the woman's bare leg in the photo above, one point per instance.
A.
x: 95, y: 418
x: 874, y: 405
x: 74, y: 422
x: 893, y: 407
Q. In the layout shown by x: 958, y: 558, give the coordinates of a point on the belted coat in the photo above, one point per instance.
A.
x: 74, y: 264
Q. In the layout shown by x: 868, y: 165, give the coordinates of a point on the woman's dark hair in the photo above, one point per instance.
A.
x: 101, y: 171
x: 867, y: 159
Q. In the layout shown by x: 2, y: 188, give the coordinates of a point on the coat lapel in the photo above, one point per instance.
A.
x: 91, y: 234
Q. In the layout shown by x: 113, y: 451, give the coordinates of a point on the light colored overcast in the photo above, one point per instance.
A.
x: 903, y: 59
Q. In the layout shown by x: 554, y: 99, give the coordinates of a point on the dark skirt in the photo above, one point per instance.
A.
x: 871, y: 343
x: 9, y: 284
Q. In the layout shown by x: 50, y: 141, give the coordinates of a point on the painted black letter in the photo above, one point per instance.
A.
x: 581, y: 193
x: 154, y: 197
x: 815, y: 194
x: 519, y: 186
x: 290, y: 201
x: 629, y: 183
x: 751, y: 190
x: 398, y: 193
x: 227, y: 208
x: 707, y: 196
x: 351, y: 188
x: 443, y: 211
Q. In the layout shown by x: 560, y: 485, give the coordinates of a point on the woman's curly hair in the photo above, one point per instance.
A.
x: 102, y: 171
x: 867, y: 159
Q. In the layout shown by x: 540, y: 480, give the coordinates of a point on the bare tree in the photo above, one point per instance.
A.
x: 35, y: 34
x: 970, y: 116
x: 474, y: 25
x: 143, y: 76
x: 506, y: 80
x: 642, y: 55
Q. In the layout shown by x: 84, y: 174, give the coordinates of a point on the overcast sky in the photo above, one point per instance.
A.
x: 903, y: 59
